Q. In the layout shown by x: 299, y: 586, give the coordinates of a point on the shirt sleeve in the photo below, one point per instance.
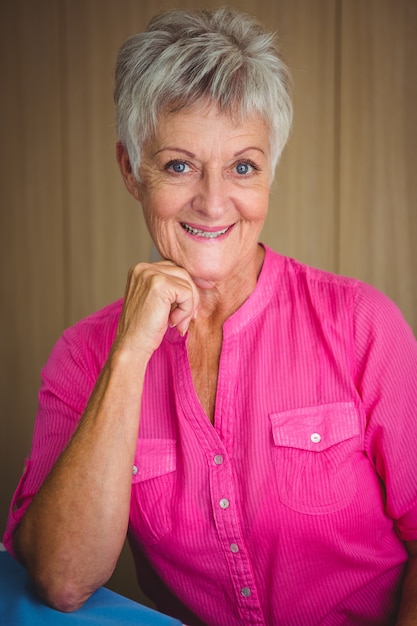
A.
x: 67, y: 382
x: 387, y: 381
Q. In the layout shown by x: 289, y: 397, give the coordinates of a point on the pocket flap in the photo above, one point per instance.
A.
x: 315, y: 428
x: 153, y: 457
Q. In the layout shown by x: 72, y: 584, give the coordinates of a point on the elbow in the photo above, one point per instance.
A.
x: 62, y: 582
x: 61, y: 595
x: 64, y: 602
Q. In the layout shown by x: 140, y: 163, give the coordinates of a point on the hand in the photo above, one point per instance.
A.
x: 157, y: 295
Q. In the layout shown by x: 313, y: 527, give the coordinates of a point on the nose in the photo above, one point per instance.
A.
x: 211, y: 198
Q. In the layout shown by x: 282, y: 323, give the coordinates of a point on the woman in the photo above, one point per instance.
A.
x: 249, y: 421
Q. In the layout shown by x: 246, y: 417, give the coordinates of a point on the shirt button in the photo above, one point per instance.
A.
x: 135, y: 470
x: 245, y: 591
x: 218, y: 459
x: 224, y: 503
x: 315, y: 438
x: 234, y: 547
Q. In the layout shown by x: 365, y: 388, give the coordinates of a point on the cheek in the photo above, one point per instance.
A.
x: 160, y: 217
x: 257, y: 206
x: 161, y: 205
x: 152, y: 215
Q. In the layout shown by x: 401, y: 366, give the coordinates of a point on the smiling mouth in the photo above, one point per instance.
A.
x: 204, y: 233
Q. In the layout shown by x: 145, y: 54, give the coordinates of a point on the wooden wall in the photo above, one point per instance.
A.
x: 345, y: 197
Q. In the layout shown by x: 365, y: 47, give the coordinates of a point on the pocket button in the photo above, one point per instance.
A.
x: 315, y: 438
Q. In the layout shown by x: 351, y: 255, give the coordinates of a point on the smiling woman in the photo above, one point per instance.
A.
x: 246, y: 420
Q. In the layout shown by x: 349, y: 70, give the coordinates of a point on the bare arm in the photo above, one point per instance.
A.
x: 73, y: 531
x: 408, y: 609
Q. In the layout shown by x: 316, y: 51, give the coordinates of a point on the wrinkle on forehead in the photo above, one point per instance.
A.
x: 234, y: 113
x: 180, y: 131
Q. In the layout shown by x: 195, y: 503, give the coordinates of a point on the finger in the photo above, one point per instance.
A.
x: 181, y: 317
x: 184, y: 303
x: 164, y: 294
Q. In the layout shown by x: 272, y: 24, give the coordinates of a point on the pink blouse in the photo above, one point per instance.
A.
x: 292, y: 509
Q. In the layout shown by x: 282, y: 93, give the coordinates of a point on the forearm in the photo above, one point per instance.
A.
x: 73, y: 531
x: 408, y: 608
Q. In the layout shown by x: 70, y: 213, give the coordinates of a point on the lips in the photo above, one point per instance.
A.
x: 207, y: 233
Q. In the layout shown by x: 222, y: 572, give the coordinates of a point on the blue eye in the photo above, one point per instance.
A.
x: 243, y: 168
x: 179, y: 167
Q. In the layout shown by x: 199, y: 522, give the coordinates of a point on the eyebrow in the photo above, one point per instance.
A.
x: 192, y: 155
x: 173, y: 149
x: 249, y: 148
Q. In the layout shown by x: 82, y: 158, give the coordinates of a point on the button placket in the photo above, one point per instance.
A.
x: 221, y: 478
x: 228, y: 529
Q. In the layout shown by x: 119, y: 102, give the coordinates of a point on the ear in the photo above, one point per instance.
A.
x: 126, y: 171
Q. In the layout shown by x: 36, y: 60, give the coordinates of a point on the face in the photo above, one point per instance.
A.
x: 204, y: 191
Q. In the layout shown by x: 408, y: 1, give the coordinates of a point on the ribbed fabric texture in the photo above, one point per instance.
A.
x: 291, y: 509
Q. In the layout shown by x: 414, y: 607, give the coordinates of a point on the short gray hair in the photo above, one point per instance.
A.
x: 184, y: 57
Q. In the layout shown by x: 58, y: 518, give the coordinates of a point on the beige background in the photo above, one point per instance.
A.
x: 345, y: 197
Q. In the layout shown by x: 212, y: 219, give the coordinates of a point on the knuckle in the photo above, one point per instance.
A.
x: 138, y: 269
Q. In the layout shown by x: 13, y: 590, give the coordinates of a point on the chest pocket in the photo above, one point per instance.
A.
x: 314, y: 452
x: 152, y: 489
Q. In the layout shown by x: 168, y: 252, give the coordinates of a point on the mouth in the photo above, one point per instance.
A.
x: 206, y: 233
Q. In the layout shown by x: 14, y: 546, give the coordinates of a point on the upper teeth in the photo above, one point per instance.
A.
x: 204, y: 233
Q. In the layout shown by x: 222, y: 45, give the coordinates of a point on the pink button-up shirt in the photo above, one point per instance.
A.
x: 292, y: 508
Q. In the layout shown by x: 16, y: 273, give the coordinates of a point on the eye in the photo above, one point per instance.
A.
x: 245, y: 167
x: 177, y: 166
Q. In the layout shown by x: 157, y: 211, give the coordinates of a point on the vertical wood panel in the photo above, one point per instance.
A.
x: 105, y: 230
x: 379, y: 147
x: 301, y: 221
x: 31, y: 250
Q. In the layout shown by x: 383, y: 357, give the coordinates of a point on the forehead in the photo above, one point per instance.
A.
x: 206, y: 123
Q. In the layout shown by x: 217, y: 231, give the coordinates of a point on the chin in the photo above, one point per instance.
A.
x: 210, y: 273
